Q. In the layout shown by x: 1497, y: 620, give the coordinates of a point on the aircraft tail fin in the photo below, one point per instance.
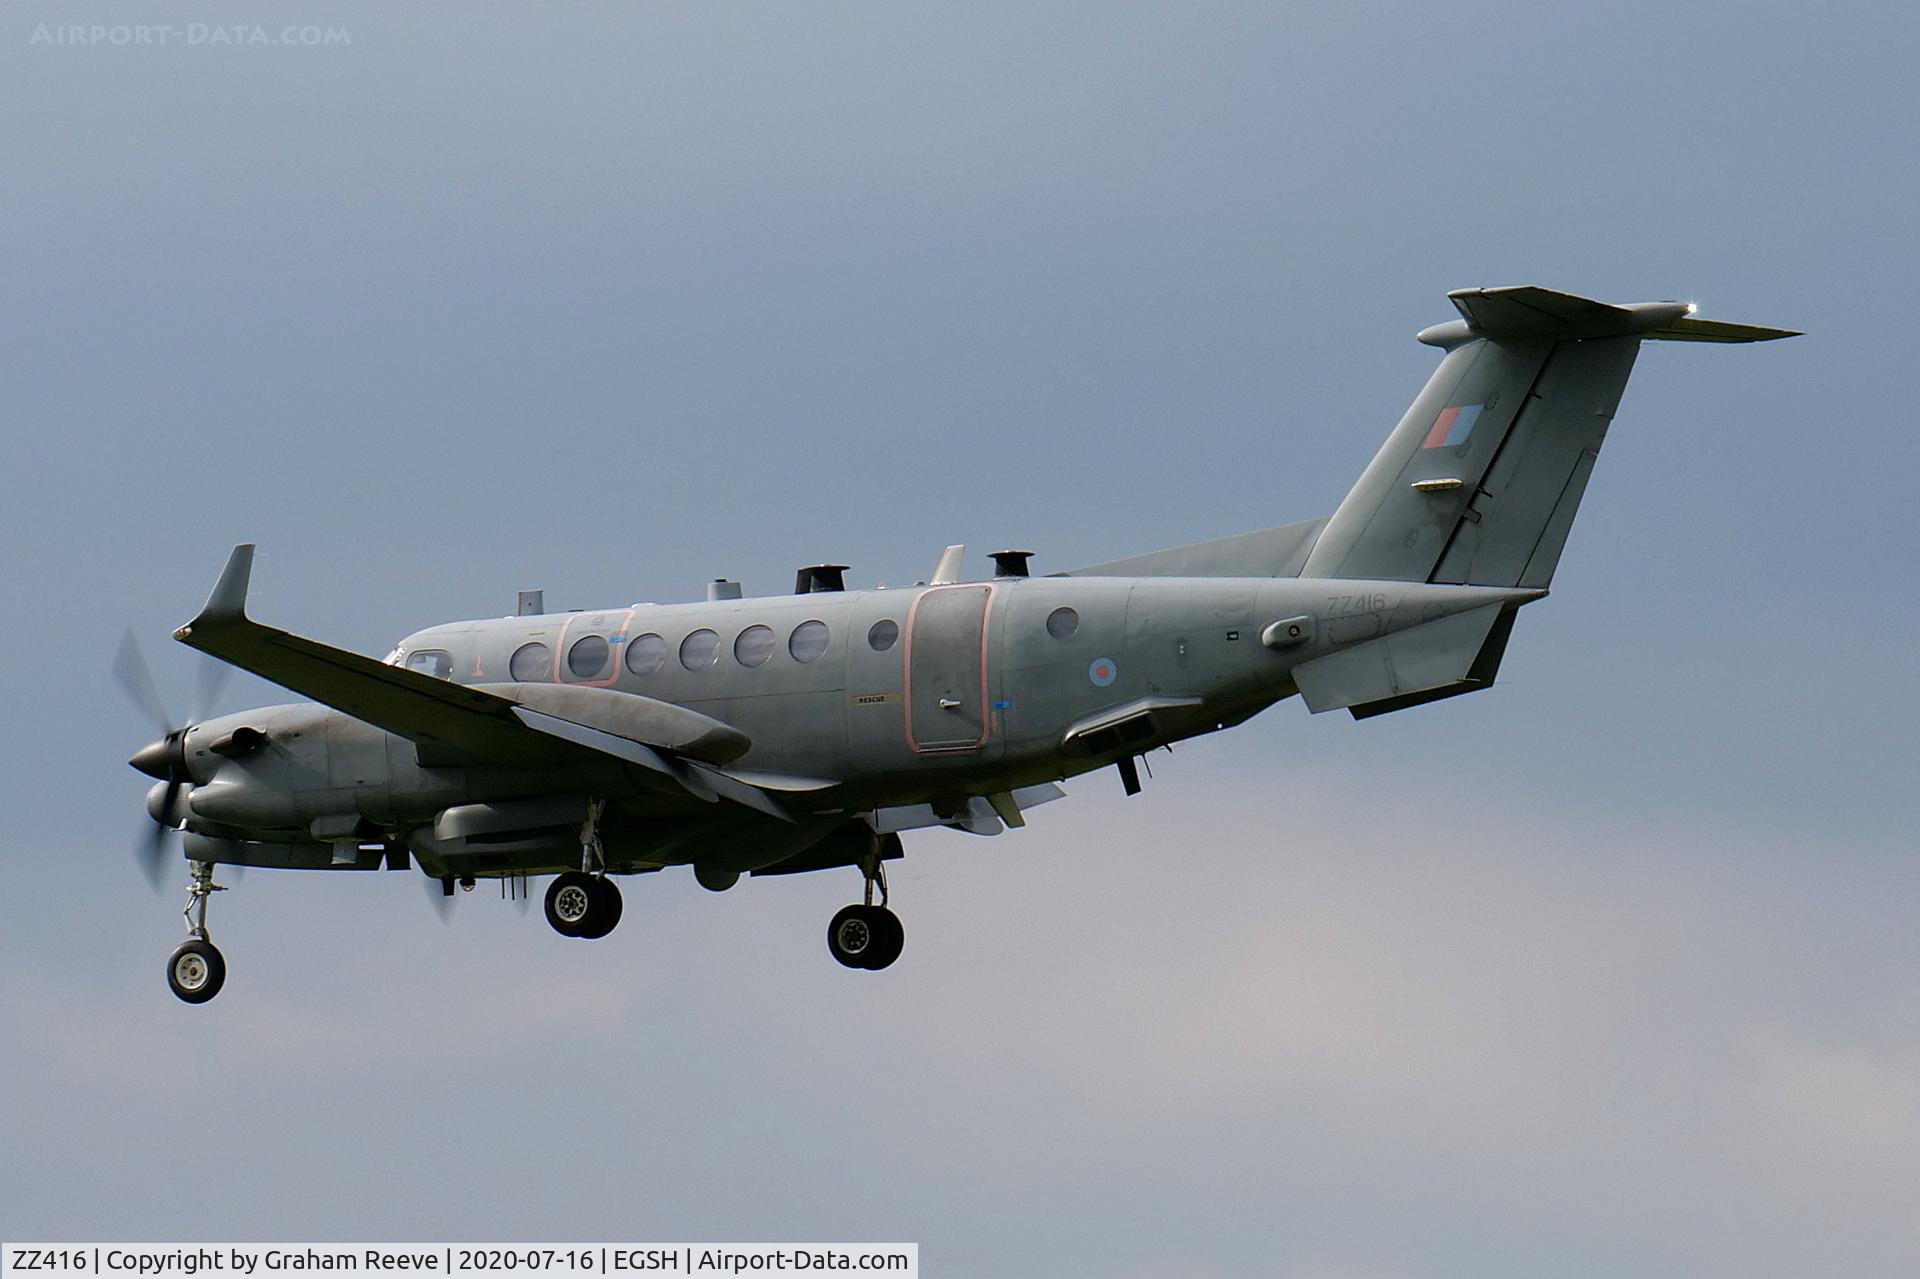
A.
x: 1480, y: 481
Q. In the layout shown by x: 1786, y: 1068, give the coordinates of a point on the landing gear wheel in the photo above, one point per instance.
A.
x: 196, y: 970
x: 581, y: 905
x: 570, y: 903
x: 603, y: 911
x: 864, y: 936
x: 891, y: 937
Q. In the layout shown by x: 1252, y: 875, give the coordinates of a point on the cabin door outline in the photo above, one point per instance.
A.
x: 946, y: 659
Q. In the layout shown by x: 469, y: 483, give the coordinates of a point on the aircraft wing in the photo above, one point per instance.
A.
x: 496, y: 725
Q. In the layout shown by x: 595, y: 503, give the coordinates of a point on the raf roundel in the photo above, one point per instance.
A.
x: 1102, y: 672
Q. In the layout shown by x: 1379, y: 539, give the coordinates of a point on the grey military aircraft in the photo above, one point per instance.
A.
x: 803, y: 732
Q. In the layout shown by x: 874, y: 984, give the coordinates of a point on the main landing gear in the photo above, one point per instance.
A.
x: 584, y: 902
x: 582, y: 905
x: 865, y: 935
x: 196, y: 970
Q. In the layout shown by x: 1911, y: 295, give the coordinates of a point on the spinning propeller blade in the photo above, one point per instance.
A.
x: 136, y: 681
x: 163, y: 758
x: 150, y: 852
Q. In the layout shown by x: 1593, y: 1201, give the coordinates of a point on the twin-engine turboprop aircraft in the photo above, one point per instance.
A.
x: 803, y: 732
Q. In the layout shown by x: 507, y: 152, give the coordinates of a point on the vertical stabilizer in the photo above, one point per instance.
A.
x: 1480, y: 481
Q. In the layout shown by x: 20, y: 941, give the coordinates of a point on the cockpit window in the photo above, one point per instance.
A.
x: 436, y: 662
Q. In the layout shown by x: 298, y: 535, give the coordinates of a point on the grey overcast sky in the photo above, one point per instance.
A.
x: 1612, y: 970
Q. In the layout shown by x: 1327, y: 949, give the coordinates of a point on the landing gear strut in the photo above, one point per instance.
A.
x: 196, y: 970
x: 584, y: 902
x: 865, y: 935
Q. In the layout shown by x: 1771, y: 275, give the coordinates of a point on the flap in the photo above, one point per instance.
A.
x: 632, y: 716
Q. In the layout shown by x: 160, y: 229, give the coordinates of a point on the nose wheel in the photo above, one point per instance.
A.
x: 866, y: 935
x: 196, y: 970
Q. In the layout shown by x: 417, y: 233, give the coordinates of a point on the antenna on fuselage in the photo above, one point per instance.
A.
x: 532, y: 603
x: 948, y: 569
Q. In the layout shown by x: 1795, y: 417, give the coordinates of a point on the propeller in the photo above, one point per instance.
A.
x: 164, y: 758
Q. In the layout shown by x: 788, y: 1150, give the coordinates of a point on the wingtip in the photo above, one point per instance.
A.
x: 228, y: 602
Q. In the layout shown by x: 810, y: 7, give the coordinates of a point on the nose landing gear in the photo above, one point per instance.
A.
x: 196, y: 970
x: 865, y: 935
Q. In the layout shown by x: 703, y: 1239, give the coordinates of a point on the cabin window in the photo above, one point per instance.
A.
x: 436, y: 662
x: 1062, y: 623
x: 700, y: 650
x: 753, y: 646
x: 531, y: 662
x: 588, y: 656
x: 808, y: 641
x: 884, y: 634
x: 646, y: 654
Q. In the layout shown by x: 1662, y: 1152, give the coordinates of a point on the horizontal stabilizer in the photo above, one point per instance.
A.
x: 1528, y: 311
x: 1688, y: 329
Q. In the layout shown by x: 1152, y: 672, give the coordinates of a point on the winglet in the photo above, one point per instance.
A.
x: 228, y: 603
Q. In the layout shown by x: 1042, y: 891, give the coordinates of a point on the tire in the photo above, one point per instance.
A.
x: 603, y: 910
x: 570, y: 902
x: 866, y: 937
x: 196, y: 971
x: 890, y: 938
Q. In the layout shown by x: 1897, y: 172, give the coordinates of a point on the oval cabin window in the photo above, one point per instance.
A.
x: 808, y: 641
x: 645, y: 654
x: 753, y: 646
x: 531, y: 662
x: 700, y: 650
x: 588, y: 656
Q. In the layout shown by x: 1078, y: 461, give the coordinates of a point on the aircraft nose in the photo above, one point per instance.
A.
x: 158, y: 759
